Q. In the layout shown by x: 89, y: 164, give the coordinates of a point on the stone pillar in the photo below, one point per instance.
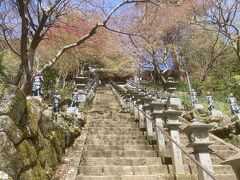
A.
x: 173, y: 100
x: 139, y: 97
x: 235, y: 163
x: 125, y: 101
x: 147, y: 110
x: 140, y: 115
x: 157, y: 108
x: 173, y: 123
x: 199, y: 139
x: 132, y: 100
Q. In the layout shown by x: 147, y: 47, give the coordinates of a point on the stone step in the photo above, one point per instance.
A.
x: 115, y: 136
x: 116, y: 141
x: 136, y: 177
x: 215, y: 160
x: 127, y: 153
x: 123, y: 147
x: 121, y: 161
x: 116, y: 118
x: 223, y: 153
x: 123, y: 170
x: 113, y: 125
x: 117, y: 122
x: 123, y: 129
x: 219, y: 147
x: 145, y: 170
x: 101, y: 132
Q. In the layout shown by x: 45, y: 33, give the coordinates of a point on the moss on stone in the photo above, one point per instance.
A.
x: 10, y: 161
x: 35, y: 173
x: 33, y: 114
x: 27, y: 153
x: 11, y: 129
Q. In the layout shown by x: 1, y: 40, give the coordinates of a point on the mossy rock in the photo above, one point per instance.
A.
x: 35, y: 173
x: 12, y: 102
x: 33, y: 114
x: 57, y: 140
x: 28, y: 154
x: 48, y: 158
x: 9, y: 127
x: 10, y: 161
x: 38, y: 141
x: 46, y: 124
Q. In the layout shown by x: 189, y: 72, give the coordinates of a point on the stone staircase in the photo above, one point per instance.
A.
x: 115, y: 148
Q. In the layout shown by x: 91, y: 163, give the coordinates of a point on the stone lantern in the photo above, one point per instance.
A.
x: 198, y: 135
x: 157, y: 109
x: 173, y: 100
x: 173, y: 123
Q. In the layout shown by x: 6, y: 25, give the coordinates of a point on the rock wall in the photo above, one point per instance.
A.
x: 230, y: 133
x: 31, y: 143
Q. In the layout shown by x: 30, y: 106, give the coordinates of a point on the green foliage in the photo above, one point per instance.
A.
x: 50, y: 77
x: 3, y: 77
x: 182, y: 86
x: 156, y: 86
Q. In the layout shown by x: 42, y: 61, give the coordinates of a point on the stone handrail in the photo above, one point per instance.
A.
x: 117, y: 89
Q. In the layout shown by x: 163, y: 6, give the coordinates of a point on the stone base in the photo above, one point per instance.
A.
x: 72, y: 110
x: 216, y: 113
x: 198, y: 106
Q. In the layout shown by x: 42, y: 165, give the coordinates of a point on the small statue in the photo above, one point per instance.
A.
x: 194, y: 97
x: 75, y: 97
x: 37, y: 85
x: 210, y: 101
x: 233, y: 103
x: 56, y: 101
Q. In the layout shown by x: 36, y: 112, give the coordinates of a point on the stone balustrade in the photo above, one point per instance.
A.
x: 154, y: 113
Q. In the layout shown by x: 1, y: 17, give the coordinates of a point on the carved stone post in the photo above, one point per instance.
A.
x: 140, y: 115
x: 199, y: 139
x: 235, y: 163
x: 147, y: 110
x: 139, y: 97
x: 173, y: 123
x: 157, y: 108
x: 132, y: 100
x: 173, y: 100
x: 125, y: 101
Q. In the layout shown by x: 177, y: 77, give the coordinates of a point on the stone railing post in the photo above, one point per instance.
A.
x: 199, y: 139
x: 147, y: 109
x: 173, y: 123
x: 132, y: 93
x: 235, y: 163
x: 139, y: 97
x: 158, y: 108
x: 125, y: 101
x: 140, y: 114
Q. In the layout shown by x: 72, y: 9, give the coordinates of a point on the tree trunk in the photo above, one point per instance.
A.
x: 177, y: 64
x: 159, y: 75
x: 19, y: 75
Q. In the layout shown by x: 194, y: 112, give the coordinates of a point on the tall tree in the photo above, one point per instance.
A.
x: 34, y: 19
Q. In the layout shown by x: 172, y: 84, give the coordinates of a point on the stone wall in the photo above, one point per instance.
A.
x: 31, y: 143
